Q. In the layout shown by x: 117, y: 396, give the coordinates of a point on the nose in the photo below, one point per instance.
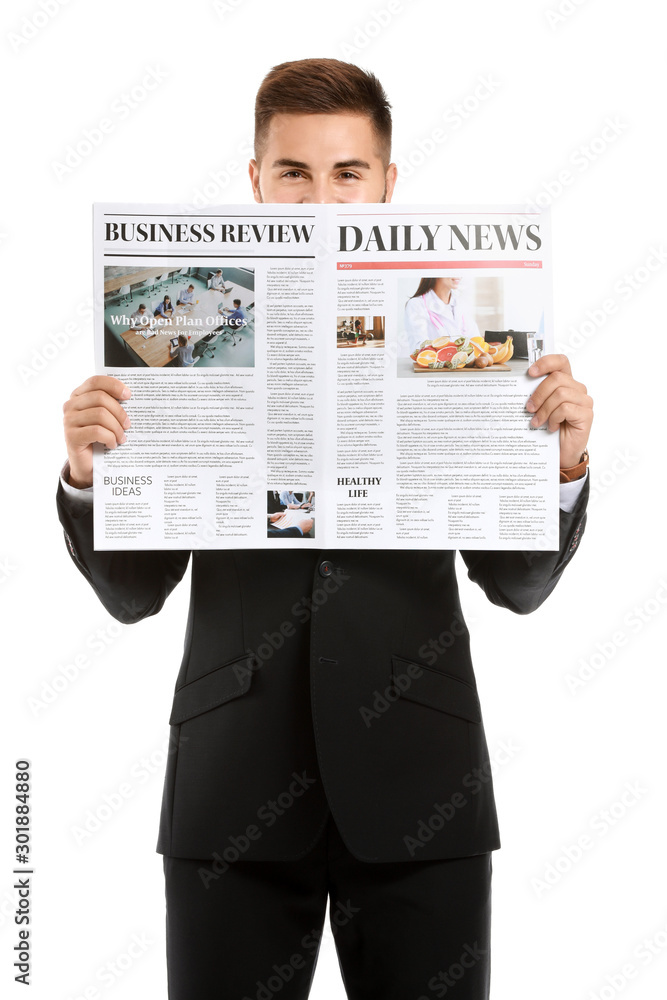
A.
x: 319, y: 193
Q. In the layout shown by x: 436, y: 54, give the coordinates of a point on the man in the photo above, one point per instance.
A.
x: 234, y: 317
x: 233, y: 320
x: 182, y: 351
x: 142, y: 318
x: 330, y: 740
x: 217, y: 282
x: 186, y: 296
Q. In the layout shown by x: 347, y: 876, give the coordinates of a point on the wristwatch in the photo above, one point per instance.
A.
x: 576, y: 471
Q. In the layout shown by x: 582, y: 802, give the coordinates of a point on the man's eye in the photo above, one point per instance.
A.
x: 348, y: 175
x: 293, y: 173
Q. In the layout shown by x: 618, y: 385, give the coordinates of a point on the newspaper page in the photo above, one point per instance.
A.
x: 324, y: 376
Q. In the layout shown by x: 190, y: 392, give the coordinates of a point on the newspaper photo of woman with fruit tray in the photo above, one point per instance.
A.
x: 441, y: 326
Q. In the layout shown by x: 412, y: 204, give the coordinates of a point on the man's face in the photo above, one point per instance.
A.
x: 321, y: 159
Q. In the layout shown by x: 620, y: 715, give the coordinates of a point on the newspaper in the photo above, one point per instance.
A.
x: 327, y: 376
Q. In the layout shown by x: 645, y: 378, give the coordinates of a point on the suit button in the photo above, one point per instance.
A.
x: 326, y: 569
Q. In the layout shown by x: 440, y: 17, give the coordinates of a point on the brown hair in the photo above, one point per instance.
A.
x: 182, y: 339
x: 425, y: 285
x: 322, y: 86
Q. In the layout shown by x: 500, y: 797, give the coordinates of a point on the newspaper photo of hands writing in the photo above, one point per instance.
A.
x: 290, y: 514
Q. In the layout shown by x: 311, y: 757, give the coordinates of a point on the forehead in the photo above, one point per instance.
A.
x: 325, y: 138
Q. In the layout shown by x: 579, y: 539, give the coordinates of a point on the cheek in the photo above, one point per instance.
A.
x: 277, y: 191
x: 362, y: 193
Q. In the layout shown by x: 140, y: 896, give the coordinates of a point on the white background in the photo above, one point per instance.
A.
x: 551, y: 87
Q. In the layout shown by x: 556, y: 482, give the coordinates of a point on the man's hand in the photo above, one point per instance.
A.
x: 561, y: 402
x: 93, y: 414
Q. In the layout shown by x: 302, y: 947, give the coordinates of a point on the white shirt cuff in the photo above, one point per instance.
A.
x: 570, y: 493
x: 84, y: 497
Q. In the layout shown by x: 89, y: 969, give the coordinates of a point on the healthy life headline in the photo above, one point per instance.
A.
x: 377, y: 239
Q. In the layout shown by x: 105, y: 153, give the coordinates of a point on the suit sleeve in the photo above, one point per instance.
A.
x: 522, y: 581
x: 130, y: 585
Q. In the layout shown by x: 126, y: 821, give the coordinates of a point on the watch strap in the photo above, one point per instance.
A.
x: 575, y: 471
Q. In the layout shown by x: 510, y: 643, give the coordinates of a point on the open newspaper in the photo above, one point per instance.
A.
x: 328, y: 376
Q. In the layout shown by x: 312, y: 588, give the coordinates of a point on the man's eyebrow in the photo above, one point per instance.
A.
x: 300, y: 165
x: 284, y: 162
x: 344, y: 164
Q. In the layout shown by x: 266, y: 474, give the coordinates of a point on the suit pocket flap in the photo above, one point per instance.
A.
x: 225, y: 682
x: 436, y: 689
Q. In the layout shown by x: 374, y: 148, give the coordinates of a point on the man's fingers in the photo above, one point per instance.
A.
x: 113, y: 386
x: 575, y: 415
x: 95, y: 399
x: 580, y: 417
x: 93, y: 416
x: 550, y: 363
x: 562, y: 387
x: 82, y: 437
x: 560, y: 397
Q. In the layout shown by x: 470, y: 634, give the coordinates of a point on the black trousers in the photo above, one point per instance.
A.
x: 412, y: 930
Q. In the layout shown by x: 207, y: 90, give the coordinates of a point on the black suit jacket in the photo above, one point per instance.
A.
x: 323, y: 679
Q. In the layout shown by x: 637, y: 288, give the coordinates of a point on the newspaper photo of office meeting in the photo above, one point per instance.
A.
x: 179, y: 317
